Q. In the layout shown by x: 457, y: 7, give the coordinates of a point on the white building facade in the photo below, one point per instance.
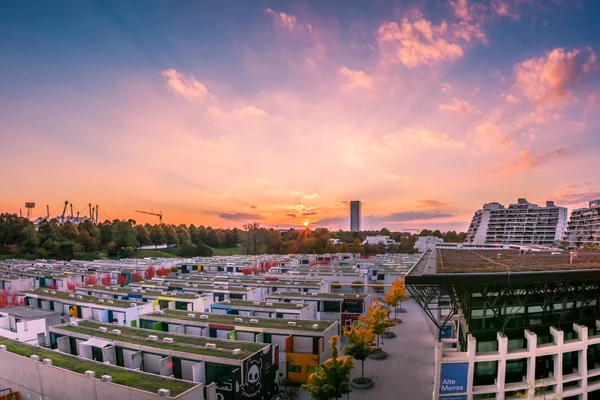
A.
x: 584, y: 224
x: 522, y: 223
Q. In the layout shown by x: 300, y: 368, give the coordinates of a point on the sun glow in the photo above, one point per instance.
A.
x: 305, y: 223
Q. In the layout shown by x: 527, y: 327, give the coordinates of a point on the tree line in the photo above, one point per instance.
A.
x: 19, y: 237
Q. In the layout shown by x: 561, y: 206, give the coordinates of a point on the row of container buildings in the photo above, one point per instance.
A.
x: 205, y: 331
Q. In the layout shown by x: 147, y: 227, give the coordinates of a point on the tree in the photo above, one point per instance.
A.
x: 332, y: 381
x: 157, y: 235
x: 143, y: 236
x: 212, y: 239
x: 203, y: 250
x: 29, y: 240
x: 87, y: 241
x: 360, y: 345
x: 136, y: 276
x: 69, y: 231
x: 90, y: 280
x: 72, y: 285
x: 395, y: 295
x: 171, y: 237
x: 162, y: 272
x: 150, y: 273
x: 122, y: 279
x: 377, y: 319
x: 106, y: 280
x: 187, y: 250
x: 124, y: 235
x: 9, y: 298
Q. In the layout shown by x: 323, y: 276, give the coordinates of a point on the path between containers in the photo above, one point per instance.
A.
x: 407, y: 372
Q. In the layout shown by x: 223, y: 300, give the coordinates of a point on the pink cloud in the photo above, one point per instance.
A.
x: 510, y: 99
x: 188, y: 87
x: 282, y: 19
x: 491, y: 137
x: 417, y: 41
x: 548, y: 80
x: 459, y: 106
x: 461, y: 9
x: 528, y: 161
x: 355, y: 79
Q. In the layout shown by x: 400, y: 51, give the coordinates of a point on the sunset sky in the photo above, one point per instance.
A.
x: 282, y: 111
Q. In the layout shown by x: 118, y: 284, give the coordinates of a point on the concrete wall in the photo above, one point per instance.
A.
x: 35, y: 380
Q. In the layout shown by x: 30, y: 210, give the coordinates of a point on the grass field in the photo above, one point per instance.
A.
x: 227, y: 251
x: 160, y: 253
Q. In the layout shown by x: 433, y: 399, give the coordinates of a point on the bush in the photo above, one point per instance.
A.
x: 174, y: 269
x: 187, y: 250
x: 335, y: 285
x: 203, y: 250
x: 356, y: 285
x: 128, y: 251
x: 378, y: 287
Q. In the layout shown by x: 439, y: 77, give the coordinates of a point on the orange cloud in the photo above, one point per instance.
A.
x: 431, y: 204
x: 188, y: 87
x: 250, y: 111
x: 490, y: 137
x: 459, y: 106
x: 355, y: 79
x: 418, y: 41
x: 548, y: 80
x: 510, y: 99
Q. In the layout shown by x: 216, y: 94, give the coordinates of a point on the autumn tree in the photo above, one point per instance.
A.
x: 9, y: 298
x: 395, y: 295
x: 377, y: 319
x: 360, y: 346
x: 122, y: 279
x: 162, y: 272
x: 106, y: 280
x: 136, y: 276
x: 331, y: 382
x: 72, y: 285
x: 90, y: 280
x: 150, y: 273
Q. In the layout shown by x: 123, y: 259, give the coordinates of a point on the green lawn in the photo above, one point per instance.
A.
x: 227, y: 251
x: 160, y: 253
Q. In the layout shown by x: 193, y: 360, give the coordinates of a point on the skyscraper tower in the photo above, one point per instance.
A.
x: 355, y: 216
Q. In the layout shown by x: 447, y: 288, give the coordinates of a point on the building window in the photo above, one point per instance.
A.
x: 331, y: 306
x: 294, y: 368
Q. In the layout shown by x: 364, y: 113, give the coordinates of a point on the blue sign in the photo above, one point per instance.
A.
x: 453, y: 378
x: 460, y: 397
x: 447, y: 331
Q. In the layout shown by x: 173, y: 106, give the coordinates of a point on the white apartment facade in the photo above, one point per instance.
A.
x: 522, y: 223
x: 584, y: 224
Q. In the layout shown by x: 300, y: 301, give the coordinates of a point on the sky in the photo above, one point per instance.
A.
x: 281, y: 112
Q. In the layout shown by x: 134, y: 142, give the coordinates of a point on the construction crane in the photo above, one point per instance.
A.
x: 159, y: 214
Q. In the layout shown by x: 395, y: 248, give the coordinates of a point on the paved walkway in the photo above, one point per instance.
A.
x: 407, y: 372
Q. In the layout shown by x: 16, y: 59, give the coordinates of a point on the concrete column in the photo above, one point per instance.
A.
x: 582, y: 333
x: 531, y: 348
x: 502, y: 353
x: 471, y: 352
x: 437, y: 364
x: 559, y: 341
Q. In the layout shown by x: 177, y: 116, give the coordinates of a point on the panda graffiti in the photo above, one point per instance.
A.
x: 251, y: 386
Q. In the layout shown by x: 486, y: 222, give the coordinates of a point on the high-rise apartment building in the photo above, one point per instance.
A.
x: 584, y: 224
x: 522, y: 223
x: 355, y: 216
